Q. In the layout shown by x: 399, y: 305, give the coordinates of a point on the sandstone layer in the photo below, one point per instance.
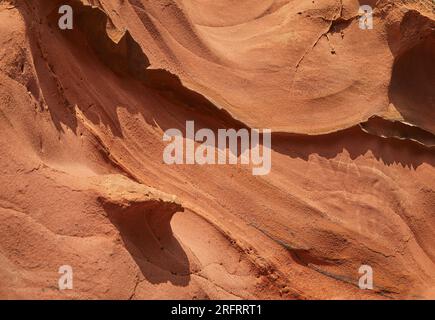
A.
x: 83, y: 112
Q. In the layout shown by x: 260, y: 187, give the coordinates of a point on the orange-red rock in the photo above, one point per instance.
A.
x: 82, y: 182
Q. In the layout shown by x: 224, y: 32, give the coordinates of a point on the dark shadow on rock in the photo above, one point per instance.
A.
x: 412, y: 84
x: 45, y: 86
x: 411, y: 91
x: 357, y: 143
x: 176, y: 104
x: 147, y: 235
x: 128, y: 65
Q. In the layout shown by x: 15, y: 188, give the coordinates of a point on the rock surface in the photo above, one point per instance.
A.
x: 82, y: 115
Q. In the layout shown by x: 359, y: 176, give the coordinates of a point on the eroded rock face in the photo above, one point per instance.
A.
x: 83, y: 111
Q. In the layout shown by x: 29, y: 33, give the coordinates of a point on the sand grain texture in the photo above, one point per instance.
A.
x: 83, y: 111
